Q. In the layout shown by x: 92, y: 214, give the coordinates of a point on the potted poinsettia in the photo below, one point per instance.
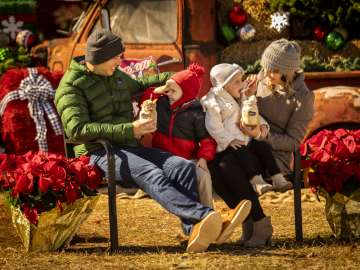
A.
x: 332, y: 165
x: 49, y: 196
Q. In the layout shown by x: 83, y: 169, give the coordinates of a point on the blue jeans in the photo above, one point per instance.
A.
x: 168, y: 179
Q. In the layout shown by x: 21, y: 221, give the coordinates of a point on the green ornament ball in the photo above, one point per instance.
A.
x: 228, y: 33
x: 334, y: 41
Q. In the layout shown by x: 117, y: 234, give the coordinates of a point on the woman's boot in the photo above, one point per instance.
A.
x: 280, y: 184
x: 247, y: 230
x: 261, y: 234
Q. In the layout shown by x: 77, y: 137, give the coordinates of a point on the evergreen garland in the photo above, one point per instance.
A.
x: 254, y: 68
x: 17, y: 6
x: 330, y: 13
x: 311, y: 63
x: 13, y: 57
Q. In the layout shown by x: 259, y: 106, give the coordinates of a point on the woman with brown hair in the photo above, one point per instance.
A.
x: 286, y: 104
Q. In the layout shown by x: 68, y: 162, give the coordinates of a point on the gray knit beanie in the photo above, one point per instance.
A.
x: 282, y: 55
x: 102, y: 45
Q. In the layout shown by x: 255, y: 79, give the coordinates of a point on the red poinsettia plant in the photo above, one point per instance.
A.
x: 39, y: 182
x: 332, y: 157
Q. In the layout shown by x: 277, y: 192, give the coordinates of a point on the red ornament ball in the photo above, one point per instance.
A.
x: 319, y: 33
x: 26, y: 38
x: 237, y: 16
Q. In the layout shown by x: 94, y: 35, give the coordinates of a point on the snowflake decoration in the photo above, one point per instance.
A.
x: 12, y: 26
x: 280, y: 20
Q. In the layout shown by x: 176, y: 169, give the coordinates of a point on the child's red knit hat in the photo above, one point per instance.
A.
x: 190, y: 81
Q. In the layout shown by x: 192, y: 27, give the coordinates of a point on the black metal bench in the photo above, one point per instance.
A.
x: 297, y: 195
x: 114, y: 242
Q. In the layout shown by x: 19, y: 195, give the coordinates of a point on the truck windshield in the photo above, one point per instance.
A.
x: 144, y: 21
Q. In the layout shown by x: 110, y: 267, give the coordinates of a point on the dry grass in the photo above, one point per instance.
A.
x: 150, y: 239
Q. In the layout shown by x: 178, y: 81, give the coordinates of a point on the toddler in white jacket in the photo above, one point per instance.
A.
x: 223, y: 105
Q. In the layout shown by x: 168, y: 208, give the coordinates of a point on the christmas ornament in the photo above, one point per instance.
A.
x: 280, y: 20
x: 25, y: 38
x: 342, y: 31
x: 319, y: 33
x: 228, y: 33
x: 334, y: 41
x: 237, y: 16
x: 12, y: 26
x: 247, y: 32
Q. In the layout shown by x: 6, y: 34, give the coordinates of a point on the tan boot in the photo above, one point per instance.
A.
x: 205, y: 232
x: 247, y: 231
x: 259, y: 185
x: 280, y: 184
x: 262, y: 233
x: 237, y: 217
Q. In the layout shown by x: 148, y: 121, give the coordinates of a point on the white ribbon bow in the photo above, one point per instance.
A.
x: 39, y: 93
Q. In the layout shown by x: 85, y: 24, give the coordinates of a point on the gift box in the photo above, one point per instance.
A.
x: 55, y: 228
x: 28, y: 113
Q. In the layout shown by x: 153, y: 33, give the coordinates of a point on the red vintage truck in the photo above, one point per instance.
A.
x: 178, y: 32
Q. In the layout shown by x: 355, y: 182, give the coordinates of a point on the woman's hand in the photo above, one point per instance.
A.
x: 202, y: 163
x: 264, y: 131
x: 251, y: 132
x: 250, y: 88
x: 236, y: 144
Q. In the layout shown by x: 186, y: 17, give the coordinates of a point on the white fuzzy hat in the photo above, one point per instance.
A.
x: 221, y: 74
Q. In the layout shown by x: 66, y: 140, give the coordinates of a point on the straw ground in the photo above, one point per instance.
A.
x: 150, y: 238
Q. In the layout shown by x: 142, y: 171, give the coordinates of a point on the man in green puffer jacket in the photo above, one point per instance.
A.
x: 94, y: 101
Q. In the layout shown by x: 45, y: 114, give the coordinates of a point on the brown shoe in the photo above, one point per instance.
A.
x: 205, y: 232
x: 237, y: 217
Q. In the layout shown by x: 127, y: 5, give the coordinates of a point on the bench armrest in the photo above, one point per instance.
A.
x: 105, y: 144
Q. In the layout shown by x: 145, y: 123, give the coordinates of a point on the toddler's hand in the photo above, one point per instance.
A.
x: 202, y: 163
x: 236, y: 144
x: 250, y: 88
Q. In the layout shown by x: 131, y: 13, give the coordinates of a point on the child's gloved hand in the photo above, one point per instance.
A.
x: 202, y: 163
x: 236, y: 144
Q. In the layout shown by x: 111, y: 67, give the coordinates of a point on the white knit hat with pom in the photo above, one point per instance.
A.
x: 221, y: 74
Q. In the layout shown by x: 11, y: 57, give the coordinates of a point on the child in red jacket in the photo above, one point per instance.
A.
x: 181, y: 131
x: 181, y: 125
